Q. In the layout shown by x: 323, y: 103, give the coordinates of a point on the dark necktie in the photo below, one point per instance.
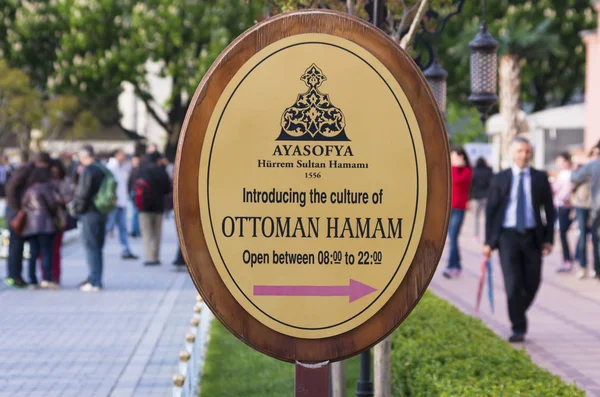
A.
x: 521, y: 204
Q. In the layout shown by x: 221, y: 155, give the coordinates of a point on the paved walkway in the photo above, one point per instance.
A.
x: 124, y: 341
x: 564, y: 323
x: 121, y: 342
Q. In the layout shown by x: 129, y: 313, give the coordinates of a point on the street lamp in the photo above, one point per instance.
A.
x: 436, y: 78
x: 484, y: 70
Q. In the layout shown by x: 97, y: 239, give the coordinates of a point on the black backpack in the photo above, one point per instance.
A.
x: 143, y: 195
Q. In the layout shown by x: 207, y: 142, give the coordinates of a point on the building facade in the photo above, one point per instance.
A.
x: 592, y: 82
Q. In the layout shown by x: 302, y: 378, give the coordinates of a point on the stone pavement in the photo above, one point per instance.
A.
x: 564, y: 322
x: 125, y: 340
x: 121, y: 342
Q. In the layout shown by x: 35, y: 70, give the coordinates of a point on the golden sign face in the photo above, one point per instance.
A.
x: 312, y: 208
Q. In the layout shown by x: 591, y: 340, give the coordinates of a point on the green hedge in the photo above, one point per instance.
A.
x: 439, y: 351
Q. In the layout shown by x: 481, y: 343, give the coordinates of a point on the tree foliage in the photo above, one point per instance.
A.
x: 185, y: 37
x: 463, y: 124
x: 18, y: 100
x: 88, y: 49
x: 397, y: 16
x: 30, y: 32
x: 97, y: 53
x: 24, y: 108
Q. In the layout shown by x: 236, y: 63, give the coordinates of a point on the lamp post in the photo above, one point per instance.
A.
x: 484, y: 69
x: 364, y: 385
x: 483, y: 96
x: 427, y: 38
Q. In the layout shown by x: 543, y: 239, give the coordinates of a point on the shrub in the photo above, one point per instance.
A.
x: 439, y: 351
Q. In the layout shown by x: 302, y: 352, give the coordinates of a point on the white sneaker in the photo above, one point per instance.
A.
x: 565, y: 267
x: 49, y: 285
x: 581, y: 274
x: 87, y: 287
x: 592, y: 274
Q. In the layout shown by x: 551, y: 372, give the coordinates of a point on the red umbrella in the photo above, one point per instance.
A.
x: 482, y: 272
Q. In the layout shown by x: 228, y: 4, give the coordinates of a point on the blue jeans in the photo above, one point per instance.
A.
x: 93, y: 227
x: 595, y: 233
x: 135, y: 220
x: 583, y: 215
x: 118, y: 217
x: 14, y: 268
x: 41, y: 243
x: 564, y: 222
x: 456, y: 221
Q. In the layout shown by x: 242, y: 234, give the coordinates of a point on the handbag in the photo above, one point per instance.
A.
x: 59, y: 215
x: 61, y: 218
x: 17, y: 224
x: 71, y: 222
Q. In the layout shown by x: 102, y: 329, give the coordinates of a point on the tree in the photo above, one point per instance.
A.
x: 519, y: 42
x: 23, y: 109
x: 185, y: 38
x: 30, y: 31
x: 19, y: 105
x: 464, y: 125
x: 30, y: 36
x: 400, y: 19
x: 96, y: 54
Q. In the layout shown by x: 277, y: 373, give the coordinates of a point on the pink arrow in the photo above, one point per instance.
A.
x: 355, y: 290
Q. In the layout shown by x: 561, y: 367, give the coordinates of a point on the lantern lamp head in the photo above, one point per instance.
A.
x: 436, y: 78
x: 484, y: 72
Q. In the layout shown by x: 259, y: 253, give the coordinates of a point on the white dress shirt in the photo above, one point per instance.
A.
x: 510, y: 219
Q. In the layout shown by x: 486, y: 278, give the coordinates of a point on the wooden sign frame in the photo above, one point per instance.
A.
x: 187, y: 211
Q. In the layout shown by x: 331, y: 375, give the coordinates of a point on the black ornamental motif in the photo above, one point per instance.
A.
x: 313, y: 117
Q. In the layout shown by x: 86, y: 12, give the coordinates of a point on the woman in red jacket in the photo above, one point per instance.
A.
x: 461, y: 183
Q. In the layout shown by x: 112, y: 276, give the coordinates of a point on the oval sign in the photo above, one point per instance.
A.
x: 313, y: 181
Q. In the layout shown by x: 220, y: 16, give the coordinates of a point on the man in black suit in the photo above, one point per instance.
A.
x: 515, y: 227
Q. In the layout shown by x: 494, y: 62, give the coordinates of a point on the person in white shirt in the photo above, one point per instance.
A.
x: 117, y: 164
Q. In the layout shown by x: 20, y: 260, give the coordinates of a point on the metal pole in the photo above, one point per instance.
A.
x: 377, y: 12
x: 364, y: 386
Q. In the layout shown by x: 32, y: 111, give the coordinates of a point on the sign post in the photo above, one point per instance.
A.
x: 312, y: 188
x: 312, y: 380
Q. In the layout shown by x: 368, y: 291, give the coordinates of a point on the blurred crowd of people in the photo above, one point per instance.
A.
x: 47, y: 197
x: 521, y: 205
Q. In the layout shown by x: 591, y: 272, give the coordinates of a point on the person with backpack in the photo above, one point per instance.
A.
x: 95, y: 197
x: 151, y: 187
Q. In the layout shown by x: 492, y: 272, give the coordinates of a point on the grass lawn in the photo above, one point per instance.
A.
x: 233, y: 369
